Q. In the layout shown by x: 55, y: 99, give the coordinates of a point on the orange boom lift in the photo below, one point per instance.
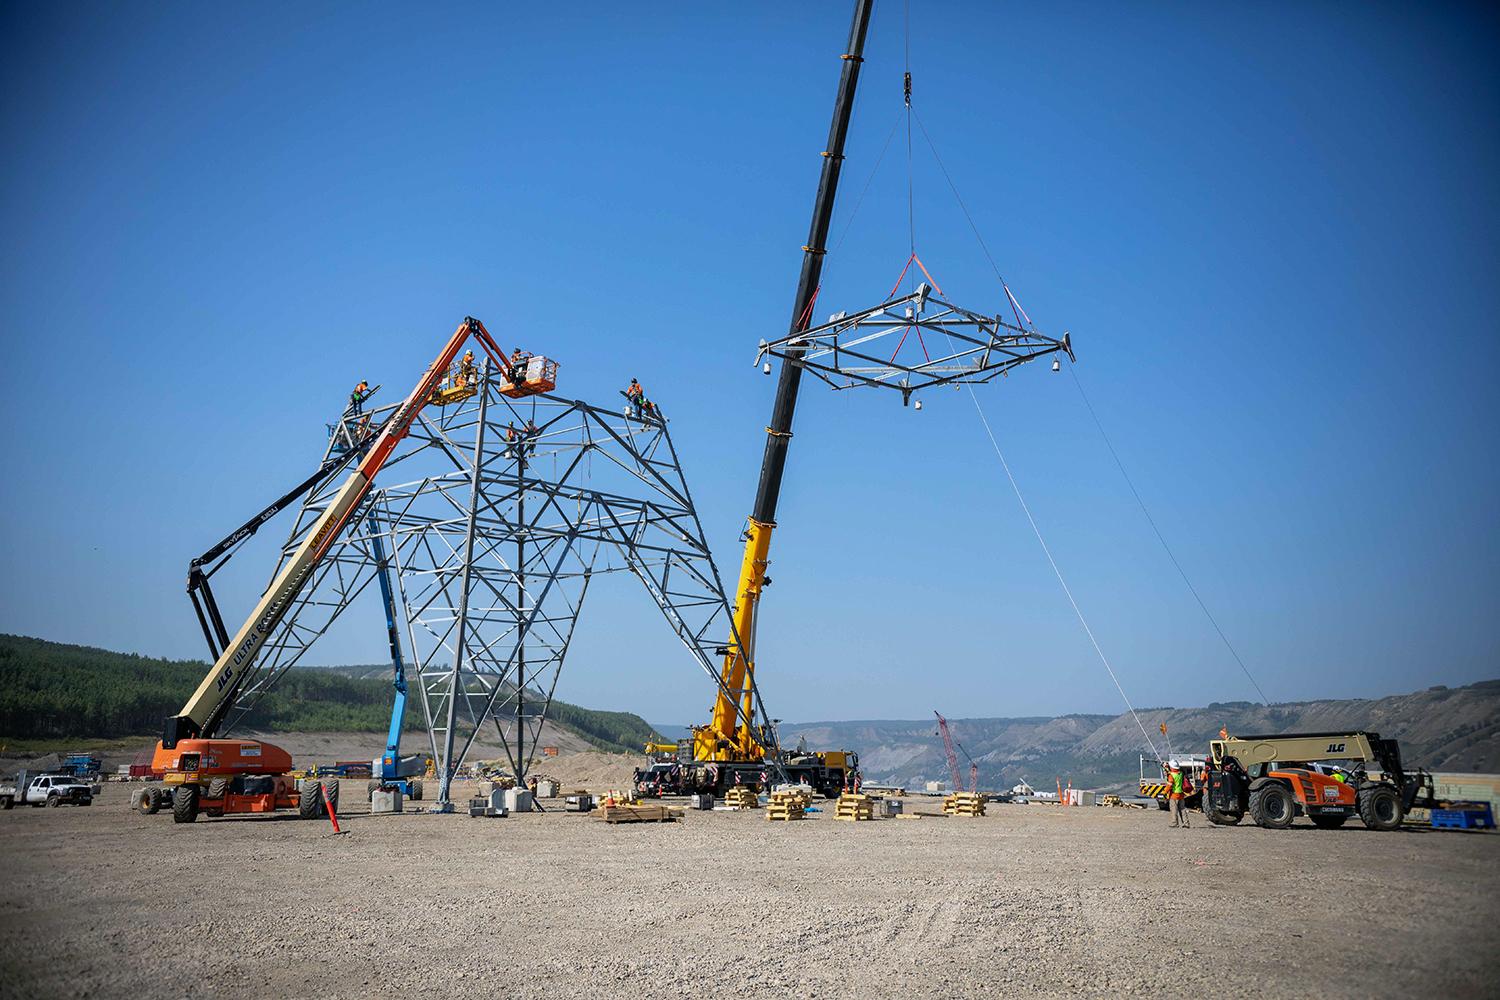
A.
x: 220, y: 776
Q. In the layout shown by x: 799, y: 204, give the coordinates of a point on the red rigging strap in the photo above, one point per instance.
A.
x: 918, y: 260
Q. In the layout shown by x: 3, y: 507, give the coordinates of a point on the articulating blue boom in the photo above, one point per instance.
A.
x: 390, y: 768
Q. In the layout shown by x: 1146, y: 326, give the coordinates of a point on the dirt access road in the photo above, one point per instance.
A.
x: 1028, y: 900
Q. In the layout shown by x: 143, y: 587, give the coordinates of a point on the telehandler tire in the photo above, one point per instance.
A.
x: 1222, y: 819
x: 185, y: 804
x: 1328, y: 822
x: 333, y: 796
x: 416, y: 791
x: 1380, y: 807
x: 1271, y: 806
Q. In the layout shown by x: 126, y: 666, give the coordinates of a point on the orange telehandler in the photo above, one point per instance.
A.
x: 1276, y: 778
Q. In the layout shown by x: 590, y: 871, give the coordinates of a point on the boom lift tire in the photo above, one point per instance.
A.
x: 416, y: 791
x: 309, y: 800
x: 217, y: 789
x: 150, y: 802
x: 185, y: 803
x: 1328, y: 822
x: 333, y: 796
x: 1380, y: 807
x: 1271, y: 806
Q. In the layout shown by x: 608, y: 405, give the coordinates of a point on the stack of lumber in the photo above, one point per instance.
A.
x: 786, y: 805
x: 640, y: 814
x: 964, y: 804
x: 740, y: 797
x: 853, y: 807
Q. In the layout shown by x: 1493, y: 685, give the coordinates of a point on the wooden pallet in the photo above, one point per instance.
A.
x: 740, y: 797
x: 853, y: 808
x: 786, y: 806
x: 640, y: 814
x: 963, y: 804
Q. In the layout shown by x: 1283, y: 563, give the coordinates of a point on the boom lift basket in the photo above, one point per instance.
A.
x: 540, y: 376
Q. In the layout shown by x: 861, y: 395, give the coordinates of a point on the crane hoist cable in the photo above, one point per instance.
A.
x: 1160, y: 538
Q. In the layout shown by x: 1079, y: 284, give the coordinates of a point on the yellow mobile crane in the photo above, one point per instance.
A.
x: 732, y: 749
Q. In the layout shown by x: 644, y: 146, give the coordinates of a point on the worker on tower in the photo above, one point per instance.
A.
x: 1176, y: 792
x: 466, y: 369
x: 358, y: 396
x: 636, y: 396
x: 531, y: 433
x: 511, y: 440
x: 518, y: 360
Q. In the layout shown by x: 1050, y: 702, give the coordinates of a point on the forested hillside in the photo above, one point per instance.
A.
x: 52, y: 690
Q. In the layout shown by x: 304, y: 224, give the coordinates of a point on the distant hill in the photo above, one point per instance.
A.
x: 51, y: 690
x: 1449, y: 729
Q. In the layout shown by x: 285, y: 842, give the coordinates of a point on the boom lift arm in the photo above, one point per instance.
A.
x: 730, y: 734
x: 203, y: 712
x: 198, y: 589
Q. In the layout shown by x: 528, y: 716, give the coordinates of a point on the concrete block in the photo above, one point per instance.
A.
x: 701, y: 801
x: 385, y: 800
x: 580, y: 803
x: 889, y: 808
x: 517, y: 800
x: 546, y: 789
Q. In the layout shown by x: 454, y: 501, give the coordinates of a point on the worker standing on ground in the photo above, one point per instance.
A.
x: 1175, y: 795
x: 358, y: 396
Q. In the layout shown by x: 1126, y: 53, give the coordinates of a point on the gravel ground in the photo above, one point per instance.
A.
x: 1028, y: 900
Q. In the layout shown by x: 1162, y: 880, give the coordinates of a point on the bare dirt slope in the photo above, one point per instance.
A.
x: 1035, y: 900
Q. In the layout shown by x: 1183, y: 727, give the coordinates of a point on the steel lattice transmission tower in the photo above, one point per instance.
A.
x: 494, y: 532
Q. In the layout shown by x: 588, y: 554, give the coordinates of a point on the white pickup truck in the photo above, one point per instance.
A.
x: 46, y: 790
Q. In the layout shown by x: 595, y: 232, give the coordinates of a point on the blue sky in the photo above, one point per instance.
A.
x: 1271, y: 231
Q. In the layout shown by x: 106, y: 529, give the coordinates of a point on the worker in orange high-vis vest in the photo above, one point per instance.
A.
x: 1176, y: 792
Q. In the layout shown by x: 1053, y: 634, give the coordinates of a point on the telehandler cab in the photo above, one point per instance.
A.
x: 1273, y: 778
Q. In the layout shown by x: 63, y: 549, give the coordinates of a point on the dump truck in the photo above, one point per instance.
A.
x: 1275, y: 778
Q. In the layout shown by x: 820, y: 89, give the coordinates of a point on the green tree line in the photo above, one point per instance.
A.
x: 53, y: 690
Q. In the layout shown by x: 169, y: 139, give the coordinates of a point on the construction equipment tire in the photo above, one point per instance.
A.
x: 149, y: 803
x: 1328, y: 822
x: 1271, y: 806
x: 416, y: 790
x: 371, y: 787
x: 185, y: 804
x: 1222, y: 819
x: 1380, y: 807
x: 333, y: 795
x: 1161, y: 805
x: 53, y: 801
x: 7, y: 802
x: 309, y: 800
